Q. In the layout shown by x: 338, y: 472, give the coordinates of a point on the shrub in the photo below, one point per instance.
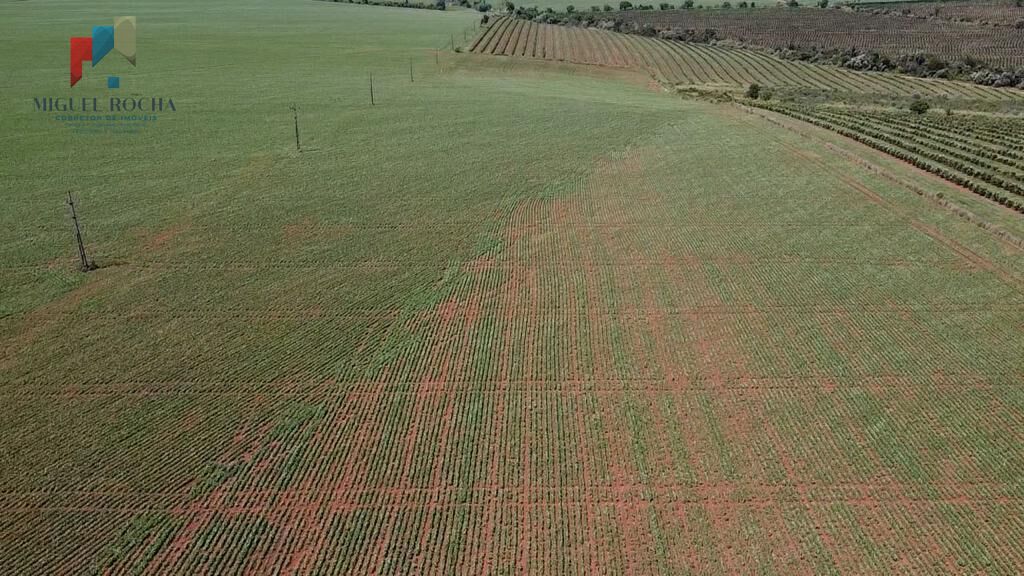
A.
x: 607, y: 8
x: 822, y: 3
x: 665, y: 6
x: 753, y: 91
x: 726, y: 5
x: 793, y: 3
x: 570, y: 9
x: 484, y: 7
x: 688, y: 4
x: 766, y: 94
x: 919, y: 106
x: 625, y: 5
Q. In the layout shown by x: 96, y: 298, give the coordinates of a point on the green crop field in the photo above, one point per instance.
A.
x: 516, y: 316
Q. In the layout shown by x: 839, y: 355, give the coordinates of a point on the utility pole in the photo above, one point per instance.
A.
x: 371, y: 90
x: 86, y: 266
x: 295, y: 113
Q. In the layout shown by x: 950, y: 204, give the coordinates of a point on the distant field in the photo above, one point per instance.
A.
x: 844, y: 29
x: 1001, y: 12
x: 560, y: 5
x: 519, y: 316
x: 683, y: 63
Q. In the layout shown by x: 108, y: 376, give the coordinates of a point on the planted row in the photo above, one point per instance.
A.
x: 950, y: 169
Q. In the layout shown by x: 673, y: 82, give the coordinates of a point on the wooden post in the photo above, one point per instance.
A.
x: 78, y: 237
x: 410, y: 71
x: 371, y: 90
x: 295, y: 113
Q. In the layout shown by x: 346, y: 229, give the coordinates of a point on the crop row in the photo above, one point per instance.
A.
x: 687, y: 63
x: 394, y: 482
x: 969, y: 157
x: 1003, y: 134
x: 960, y: 169
x: 966, y: 137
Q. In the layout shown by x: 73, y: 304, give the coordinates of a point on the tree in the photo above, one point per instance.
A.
x: 793, y: 3
x: 509, y: 7
x: 570, y: 9
x: 665, y: 6
x: 726, y: 5
x: 753, y: 91
x: 606, y: 8
x: 625, y: 5
x: 919, y: 106
x: 484, y: 7
x: 688, y: 4
x: 822, y: 3
x: 766, y: 94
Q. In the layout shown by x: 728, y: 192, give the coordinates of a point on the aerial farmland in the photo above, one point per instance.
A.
x: 316, y: 287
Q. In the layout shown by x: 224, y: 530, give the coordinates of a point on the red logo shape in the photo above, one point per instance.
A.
x: 81, y: 50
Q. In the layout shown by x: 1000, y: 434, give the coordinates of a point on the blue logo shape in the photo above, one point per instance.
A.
x: 113, y: 81
x: 102, y: 42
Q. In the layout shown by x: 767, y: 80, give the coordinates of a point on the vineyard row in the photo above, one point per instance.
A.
x: 982, y: 166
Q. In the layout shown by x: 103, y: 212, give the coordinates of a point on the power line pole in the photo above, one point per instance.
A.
x: 295, y: 113
x: 86, y: 266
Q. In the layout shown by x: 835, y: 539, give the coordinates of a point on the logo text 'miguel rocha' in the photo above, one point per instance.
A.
x: 110, y: 104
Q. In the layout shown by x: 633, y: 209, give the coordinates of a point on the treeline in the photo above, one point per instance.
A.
x: 548, y: 15
x: 438, y: 5
x: 920, y: 64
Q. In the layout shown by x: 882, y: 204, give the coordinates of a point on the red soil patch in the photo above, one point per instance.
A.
x: 163, y: 238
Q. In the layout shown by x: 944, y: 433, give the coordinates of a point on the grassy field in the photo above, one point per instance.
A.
x: 519, y: 316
